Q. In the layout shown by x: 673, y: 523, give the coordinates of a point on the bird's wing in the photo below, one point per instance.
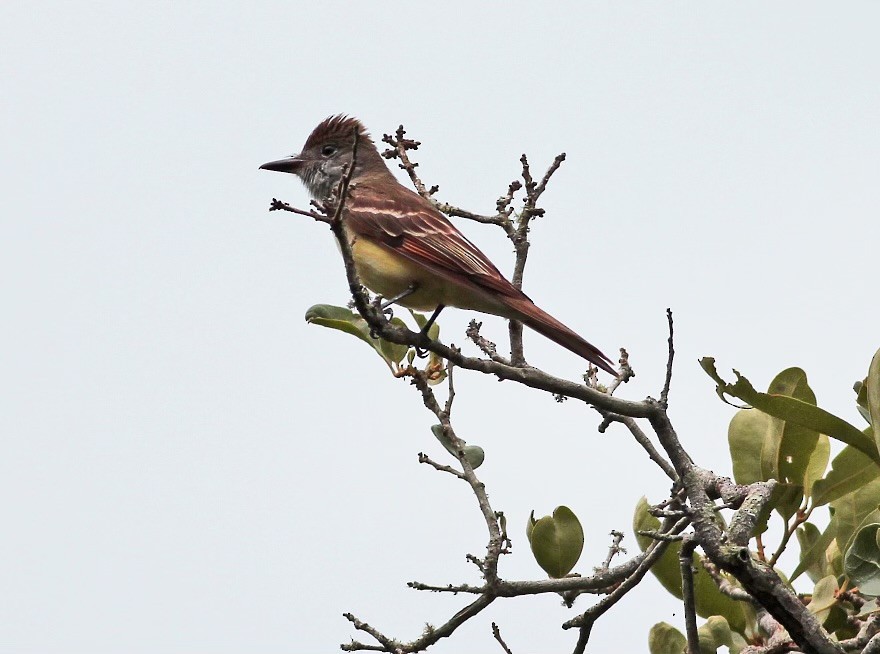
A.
x: 411, y: 227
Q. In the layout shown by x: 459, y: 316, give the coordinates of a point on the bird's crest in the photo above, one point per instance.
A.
x: 339, y: 128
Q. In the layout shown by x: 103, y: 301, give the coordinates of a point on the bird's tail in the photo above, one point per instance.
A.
x: 546, y: 325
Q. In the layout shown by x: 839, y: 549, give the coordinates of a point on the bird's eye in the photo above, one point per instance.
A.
x: 328, y: 150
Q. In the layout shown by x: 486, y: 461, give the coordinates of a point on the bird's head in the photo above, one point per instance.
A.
x: 327, y: 154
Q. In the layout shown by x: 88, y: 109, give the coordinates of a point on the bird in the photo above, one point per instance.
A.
x: 406, y: 250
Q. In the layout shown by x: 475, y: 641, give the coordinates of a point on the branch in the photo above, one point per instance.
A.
x: 486, y: 346
x: 401, y: 145
x: 652, y: 554
x: 614, y: 549
x: 493, y: 549
x: 664, y: 394
x: 278, y: 205
x: 685, y: 561
x: 726, y: 548
x: 430, y: 637
x: 496, y: 632
x: 643, y: 440
x: 599, y: 582
x: 520, y: 239
x: 727, y: 551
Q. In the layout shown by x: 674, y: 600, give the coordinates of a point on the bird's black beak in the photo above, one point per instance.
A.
x: 289, y: 165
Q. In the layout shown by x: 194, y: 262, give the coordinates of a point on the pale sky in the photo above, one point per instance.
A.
x: 187, y: 466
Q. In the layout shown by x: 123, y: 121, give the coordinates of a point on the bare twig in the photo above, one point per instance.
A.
x: 520, y: 239
x: 685, y: 561
x: 790, y: 528
x: 664, y: 394
x: 388, y: 645
x: 448, y: 588
x: 490, y: 571
x: 625, y: 373
x: 424, y: 458
x: 428, y: 638
x: 400, y: 145
x: 278, y: 205
x: 643, y: 440
x: 488, y: 347
x: 657, y: 535
x: 613, y: 550
x: 652, y: 554
x: 596, y: 583
x: 724, y: 584
x: 496, y: 632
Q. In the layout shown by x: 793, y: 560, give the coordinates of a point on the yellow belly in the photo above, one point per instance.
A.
x: 389, y: 274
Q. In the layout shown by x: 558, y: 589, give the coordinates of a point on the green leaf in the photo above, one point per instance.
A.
x: 715, y: 633
x: 557, y: 541
x: 666, y: 639
x: 818, y: 464
x: 350, y: 322
x: 873, y: 397
x: 839, y: 624
x: 835, y: 559
x: 813, y: 546
x: 750, y: 436
x: 708, y: 599
x: 853, y: 510
x: 763, y: 447
x: 824, y: 597
x: 850, y: 470
x: 474, y: 454
x: 861, y: 389
x: 797, y: 442
x: 862, y: 560
x: 792, y: 410
x: 786, y: 499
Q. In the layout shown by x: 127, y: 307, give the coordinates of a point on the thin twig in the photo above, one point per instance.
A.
x: 643, y: 440
x: 596, y: 583
x: 448, y: 588
x: 278, y: 205
x: 625, y: 373
x: 401, y: 145
x: 388, y: 644
x: 653, y: 553
x: 424, y: 458
x: 488, y: 347
x: 724, y: 584
x: 496, y: 632
x: 614, y: 549
x: 800, y: 518
x: 685, y: 561
x: 494, y: 546
x: 520, y: 240
x: 664, y: 394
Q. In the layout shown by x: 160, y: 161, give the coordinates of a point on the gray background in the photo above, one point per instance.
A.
x: 186, y: 466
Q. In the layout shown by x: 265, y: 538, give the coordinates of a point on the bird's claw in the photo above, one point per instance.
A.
x: 384, y: 306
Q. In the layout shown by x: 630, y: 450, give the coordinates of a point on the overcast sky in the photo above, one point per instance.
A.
x: 187, y: 466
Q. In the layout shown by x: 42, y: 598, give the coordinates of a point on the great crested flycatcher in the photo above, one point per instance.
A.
x: 404, y: 248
